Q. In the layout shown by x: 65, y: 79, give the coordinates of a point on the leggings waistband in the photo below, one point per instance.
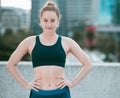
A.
x: 51, y: 92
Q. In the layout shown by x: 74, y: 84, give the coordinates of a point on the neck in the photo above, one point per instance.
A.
x: 48, y: 35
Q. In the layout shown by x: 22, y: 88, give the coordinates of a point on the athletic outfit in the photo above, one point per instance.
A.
x: 48, y: 55
x: 43, y: 55
x: 55, y: 93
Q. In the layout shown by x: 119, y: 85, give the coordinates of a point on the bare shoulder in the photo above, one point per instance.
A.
x: 69, y: 44
x: 28, y: 40
x: 25, y: 46
x: 68, y: 40
x: 77, y: 51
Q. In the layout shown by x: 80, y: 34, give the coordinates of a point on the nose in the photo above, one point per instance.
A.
x: 49, y: 24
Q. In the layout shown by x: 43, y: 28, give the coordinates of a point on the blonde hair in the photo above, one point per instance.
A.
x: 50, y: 6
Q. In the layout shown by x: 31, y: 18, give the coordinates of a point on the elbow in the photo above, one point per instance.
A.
x: 90, y: 67
x: 9, y: 67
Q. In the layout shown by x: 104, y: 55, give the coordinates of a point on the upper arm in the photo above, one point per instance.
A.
x: 20, y: 51
x: 76, y: 50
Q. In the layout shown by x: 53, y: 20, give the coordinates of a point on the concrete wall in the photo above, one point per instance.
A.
x: 102, y: 82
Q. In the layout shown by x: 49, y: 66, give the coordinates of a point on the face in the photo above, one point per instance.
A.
x: 49, y: 21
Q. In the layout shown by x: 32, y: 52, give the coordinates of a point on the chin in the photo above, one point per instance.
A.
x: 50, y: 31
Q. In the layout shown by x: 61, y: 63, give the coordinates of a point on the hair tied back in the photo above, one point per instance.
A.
x: 49, y: 3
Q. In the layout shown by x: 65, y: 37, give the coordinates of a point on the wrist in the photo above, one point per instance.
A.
x: 26, y: 85
x: 71, y: 84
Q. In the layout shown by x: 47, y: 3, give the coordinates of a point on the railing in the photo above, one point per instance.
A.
x: 102, y: 82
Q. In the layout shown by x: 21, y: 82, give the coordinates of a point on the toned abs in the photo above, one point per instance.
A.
x: 47, y: 76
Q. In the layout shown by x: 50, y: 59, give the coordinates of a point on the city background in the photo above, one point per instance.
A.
x: 93, y: 24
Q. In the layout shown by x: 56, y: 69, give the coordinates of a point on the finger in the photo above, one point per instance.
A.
x: 34, y: 85
x: 60, y: 82
x: 61, y: 85
x: 35, y: 89
x: 39, y: 84
x: 60, y: 77
x: 37, y: 80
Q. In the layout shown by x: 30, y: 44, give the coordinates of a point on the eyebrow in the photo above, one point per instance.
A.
x: 46, y: 18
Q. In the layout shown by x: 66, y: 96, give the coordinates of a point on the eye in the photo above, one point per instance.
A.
x: 52, y: 20
x: 45, y: 20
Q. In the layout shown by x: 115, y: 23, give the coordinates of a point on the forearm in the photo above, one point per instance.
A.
x: 16, y: 75
x: 83, y: 72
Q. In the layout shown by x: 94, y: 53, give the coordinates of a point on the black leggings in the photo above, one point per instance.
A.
x: 55, y: 93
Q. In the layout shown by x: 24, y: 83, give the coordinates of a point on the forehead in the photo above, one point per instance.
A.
x: 49, y: 14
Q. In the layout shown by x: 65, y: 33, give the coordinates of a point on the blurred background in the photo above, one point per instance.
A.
x: 93, y: 24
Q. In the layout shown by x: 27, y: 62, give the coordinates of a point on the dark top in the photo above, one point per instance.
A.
x: 43, y: 55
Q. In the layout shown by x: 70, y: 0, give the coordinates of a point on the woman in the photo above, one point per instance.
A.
x: 48, y: 51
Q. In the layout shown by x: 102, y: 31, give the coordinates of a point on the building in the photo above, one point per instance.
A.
x: 109, y: 12
x: 79, y: 12
x: 25, y: 19
x: 105, y: 12
x: 0, y: 19
x: 10, y: 19
x: 37, y: 5
x: 34, y: 25
x: 82, y: 11
x: 116, y: 12
x: 14, y: 19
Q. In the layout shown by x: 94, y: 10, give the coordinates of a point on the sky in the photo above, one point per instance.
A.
x: 23, y: 4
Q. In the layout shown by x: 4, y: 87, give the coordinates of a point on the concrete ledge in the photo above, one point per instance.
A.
x: 113, y: 64
x: 102, y: 82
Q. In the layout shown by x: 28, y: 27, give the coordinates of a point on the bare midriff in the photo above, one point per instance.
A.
x: 47, y: 76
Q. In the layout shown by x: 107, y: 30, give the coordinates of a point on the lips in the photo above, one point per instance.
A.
x: 48, y: 28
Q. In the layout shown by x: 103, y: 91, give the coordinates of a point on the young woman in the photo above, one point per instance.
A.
x: 48, y: 51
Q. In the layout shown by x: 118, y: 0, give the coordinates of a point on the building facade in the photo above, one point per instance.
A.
x: 116, y: 13
x: 82, y: 11
x: 14, y: 19
x: 106, y: 12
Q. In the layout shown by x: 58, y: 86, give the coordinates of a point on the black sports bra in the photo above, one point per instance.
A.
x: 43, y: 55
